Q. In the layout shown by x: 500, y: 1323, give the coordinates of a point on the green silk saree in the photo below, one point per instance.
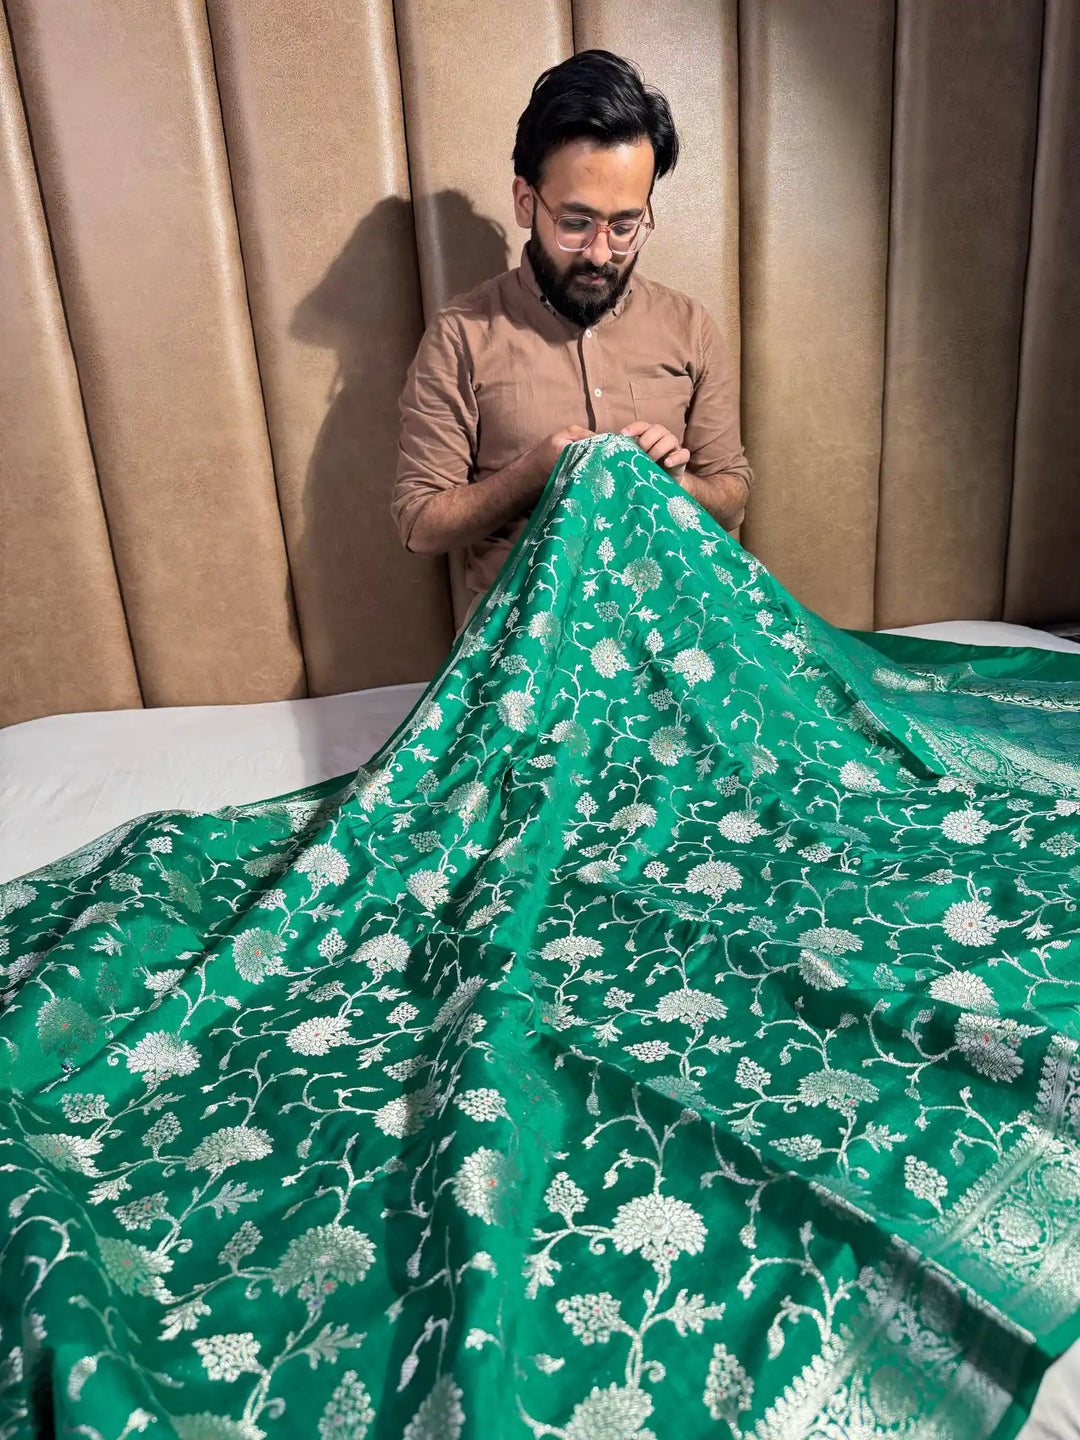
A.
x: 673, y: 1029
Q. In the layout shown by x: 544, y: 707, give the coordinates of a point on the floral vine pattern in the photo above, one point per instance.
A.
x: 680, y: 1008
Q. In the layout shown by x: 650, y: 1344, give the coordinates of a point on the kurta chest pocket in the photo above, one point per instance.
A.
x: 663, y: 401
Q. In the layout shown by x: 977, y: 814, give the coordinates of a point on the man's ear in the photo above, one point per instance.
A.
x: 523, y: 203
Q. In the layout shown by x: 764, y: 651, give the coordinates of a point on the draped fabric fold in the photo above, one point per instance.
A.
x: 679, y: 1010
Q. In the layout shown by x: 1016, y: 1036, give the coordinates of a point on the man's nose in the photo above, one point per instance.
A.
x: 599, y: 252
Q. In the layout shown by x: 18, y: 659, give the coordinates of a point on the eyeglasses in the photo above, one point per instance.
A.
x: 577, y: 232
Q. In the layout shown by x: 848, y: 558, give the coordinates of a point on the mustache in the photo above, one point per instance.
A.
x: 606, y: 272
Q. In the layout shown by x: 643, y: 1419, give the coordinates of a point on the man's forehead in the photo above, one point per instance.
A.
x: 600, y: 179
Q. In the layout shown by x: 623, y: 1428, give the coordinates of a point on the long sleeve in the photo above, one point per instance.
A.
x: 712, y: 422
x: 439, y: 423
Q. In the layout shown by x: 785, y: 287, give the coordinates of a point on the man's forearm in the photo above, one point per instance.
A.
x: 723, y: 496
x: 455, y: 518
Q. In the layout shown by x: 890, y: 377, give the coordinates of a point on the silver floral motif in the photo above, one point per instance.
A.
x: 83, y: 1109
x: 160, y: 1056
x: 230, y: 1146
x: 256, y: 954
x: 659, y: 1227
x: 728, y: 1389
x: 924, y: 1182
x: 962, y: 988
x: 740, y: 826
x: 572, y: 947
x: 227, y: 1357
x: 608, y: 659
x: 323, y: 864
x: 405, y: 1114
x: 668, y: 744
x: 633, y: 818
x: 440, y: 1416
x: 206, y: 1426
x: 970, y: 922
x: 713, y: 878
x: 132, y: 1268
x: 693, y: 665
x: 991, y: 1046
x: 564, y: 1197
x: 319, y: 1036
x: 480, y: 1184
x: 384, y: 952
x: 642, y: 575
x: 592, y: 1318
x: 612, y: 1414
x: 516, y: 710
x: 482, y: 1105
x: 838, y: 1089
x: 691, y: 1007
x: 323, y: 1257
x: 966, y: 827
x: 67, y: 1152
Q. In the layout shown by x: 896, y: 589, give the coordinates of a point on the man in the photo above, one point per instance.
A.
x: 571, y: 343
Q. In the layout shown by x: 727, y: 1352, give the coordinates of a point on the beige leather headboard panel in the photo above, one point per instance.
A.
x: 225, y: 222
x: 815, y: 100
x: 63, y: 641
x: 1042, y: 578
x: 963, y: 156
x: 127, y: 137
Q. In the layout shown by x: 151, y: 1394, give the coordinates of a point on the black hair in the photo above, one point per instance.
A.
x: 594, y: 95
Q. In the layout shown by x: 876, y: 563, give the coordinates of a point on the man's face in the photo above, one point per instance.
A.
x: 600, y: 183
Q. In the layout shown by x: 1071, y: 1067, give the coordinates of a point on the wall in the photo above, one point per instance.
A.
x: 223, y: 224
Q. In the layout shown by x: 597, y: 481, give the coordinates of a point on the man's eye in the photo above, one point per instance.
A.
x: 623, y: 229
x: 575, y: 226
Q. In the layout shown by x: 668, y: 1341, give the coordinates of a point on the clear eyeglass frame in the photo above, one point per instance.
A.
x: 574, y: 241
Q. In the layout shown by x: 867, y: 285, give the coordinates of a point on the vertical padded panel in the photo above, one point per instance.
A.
x: 816, y: 101
x: 1043, y: 575
x: 967, y: 81
x: 467, y: 73
x: 316, y: 146
x: 127, y: 135
x: 63, y: 641
x: 690, y: 51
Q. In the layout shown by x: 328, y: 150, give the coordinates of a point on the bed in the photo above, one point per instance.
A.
x: 65, y: 779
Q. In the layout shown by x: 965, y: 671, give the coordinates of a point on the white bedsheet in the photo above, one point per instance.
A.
x: 66, y: 779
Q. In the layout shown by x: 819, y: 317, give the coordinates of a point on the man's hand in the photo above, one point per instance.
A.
x: 660, y: 445
x: 548, y: 451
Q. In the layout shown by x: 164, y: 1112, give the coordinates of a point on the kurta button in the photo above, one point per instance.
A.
x: 588, y: 334
x: 598, y: 392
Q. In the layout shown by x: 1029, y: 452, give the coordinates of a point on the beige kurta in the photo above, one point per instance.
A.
x: 498, y: 370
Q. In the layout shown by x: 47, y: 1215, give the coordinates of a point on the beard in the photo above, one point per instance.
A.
x: 581, y: 305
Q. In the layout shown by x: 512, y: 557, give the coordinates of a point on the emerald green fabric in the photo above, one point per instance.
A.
x: 673, y: 1029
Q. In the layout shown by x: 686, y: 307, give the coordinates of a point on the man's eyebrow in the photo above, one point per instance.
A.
x: 577, y: 208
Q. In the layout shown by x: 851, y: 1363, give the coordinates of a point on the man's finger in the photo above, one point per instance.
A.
x: 653, y: 435
x: 646, y: 432
x: 677, y: 460
x: 661, y: 447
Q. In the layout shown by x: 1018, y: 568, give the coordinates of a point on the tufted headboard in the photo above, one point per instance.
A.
x: 224, y: 222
